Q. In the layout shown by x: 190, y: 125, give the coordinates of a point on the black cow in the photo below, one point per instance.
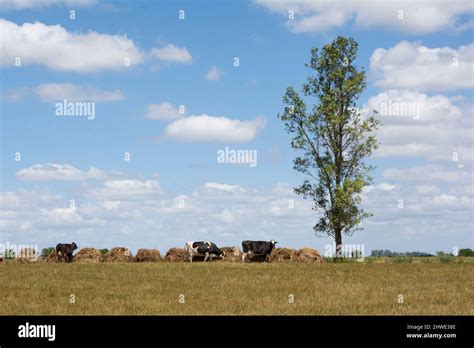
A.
x: 257, y: 247
x: 206, y: 249
x: 64, y: 251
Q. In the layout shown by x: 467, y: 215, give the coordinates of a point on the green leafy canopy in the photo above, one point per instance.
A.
x: 333, y: 138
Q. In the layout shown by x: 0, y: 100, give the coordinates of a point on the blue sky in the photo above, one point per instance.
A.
x: 166, y: 167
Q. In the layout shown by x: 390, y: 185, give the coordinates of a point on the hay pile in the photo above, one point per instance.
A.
x: 148, y: 255
x: 232, y: 254
x: 175, y: 255
x: 282, y: 255
x: 52, y: 257
x: 86, y: 255
x: 119, y: 254
x: 308, y: 255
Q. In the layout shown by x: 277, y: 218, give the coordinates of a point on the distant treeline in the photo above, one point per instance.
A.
x: 389, y: 253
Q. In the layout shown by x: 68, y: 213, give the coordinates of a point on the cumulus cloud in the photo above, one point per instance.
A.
x: 56, y: 48
x: 17, y: 94
x: 418, y: 125
x: 61, y: 172
x: 50, y: 92
x: 214, y: 74
x: 384, y: 186
x: 204, y: 128
x: 163, y: 111
x: 319, y: 16
x: 63, y: 218
x: 173, y: 54
x: 223, y: 187
x: 429, y: 174
x: 409, y: 65
x: 125, y: 190
x: 135, y: 213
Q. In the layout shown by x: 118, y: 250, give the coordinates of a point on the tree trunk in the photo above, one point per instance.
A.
x: 338, y: 239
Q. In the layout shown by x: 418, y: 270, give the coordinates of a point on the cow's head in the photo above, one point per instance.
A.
x: 272, y: 242
x: 74, y: 246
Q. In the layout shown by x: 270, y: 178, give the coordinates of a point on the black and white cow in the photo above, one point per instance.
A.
x: 257, y: 247
x: 206, y: 249
x: 64, y: 251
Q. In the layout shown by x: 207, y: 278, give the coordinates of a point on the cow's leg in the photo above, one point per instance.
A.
x: 243, y: 256
x: 190, y: 257
x: 206, y: 257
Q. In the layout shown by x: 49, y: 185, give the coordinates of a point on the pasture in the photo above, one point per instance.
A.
x: 166, y: 288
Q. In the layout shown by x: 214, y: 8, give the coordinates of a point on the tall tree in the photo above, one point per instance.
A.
x: 333, y: 139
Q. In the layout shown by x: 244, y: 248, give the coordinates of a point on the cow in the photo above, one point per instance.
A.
x: 206, y: 249
x: 257, y: 247
x: 64, y: 251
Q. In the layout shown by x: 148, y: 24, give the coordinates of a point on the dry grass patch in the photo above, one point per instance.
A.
x: 236, y: 288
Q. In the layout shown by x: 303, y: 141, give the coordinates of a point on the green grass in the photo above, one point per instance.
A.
x: 227, y: 288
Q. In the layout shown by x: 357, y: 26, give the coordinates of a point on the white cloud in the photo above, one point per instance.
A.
x: 204, y: 128
x: 50, y: 92
x: 172, y: 53
x: 226, y: 216
x: 129, y: 189
x: 224, y: 187
x: 135, y: 214
x: 61, y: 172
x: 413, y: 66
x: 17, y: 94
x: 427, y: 190
x: 429, y: 174
x: 56, y: 48
x: 30, y: 4
x: 162, y: 111
x: 63, y: 218
x: 384, y: 186
x: 319, y: 16
x: 214, y: 74
x: 439, y: 127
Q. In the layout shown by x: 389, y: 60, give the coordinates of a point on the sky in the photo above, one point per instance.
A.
x: 170, y: 84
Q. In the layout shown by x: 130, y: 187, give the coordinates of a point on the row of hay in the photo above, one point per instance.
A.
x: 92, y: 255
x: 292, y: 255
x: 233, y: 254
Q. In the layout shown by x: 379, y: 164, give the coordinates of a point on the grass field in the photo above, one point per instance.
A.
x: 227, y: 288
